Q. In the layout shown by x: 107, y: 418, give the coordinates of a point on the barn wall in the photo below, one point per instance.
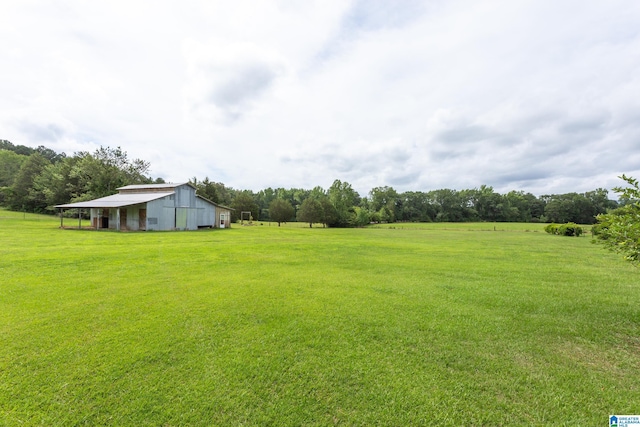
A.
x: 133, y: 217
x: 227, y: 213
x: 161, y: 214
x: 206, y: 213
x: 185, y: 196
x: 192, y: 217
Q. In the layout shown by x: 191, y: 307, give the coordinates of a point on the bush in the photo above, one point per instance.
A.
x: 551, y: 228
x: 568, y: 229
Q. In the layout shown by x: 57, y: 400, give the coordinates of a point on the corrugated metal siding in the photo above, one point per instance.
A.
x: 185, y: 196
x: 167, y: 220
x: 206, y: 213
x: 133, y: 217
x: 161, y: 214
x: 192, y: 218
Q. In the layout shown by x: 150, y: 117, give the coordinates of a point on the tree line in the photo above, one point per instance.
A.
x: 34, y: 180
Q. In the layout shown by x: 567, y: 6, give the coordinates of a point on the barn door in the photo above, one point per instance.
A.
x: 181, y: 218
x: 142, y: 221
x: 123, y: 219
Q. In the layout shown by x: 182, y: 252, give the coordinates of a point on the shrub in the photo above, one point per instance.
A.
x: 568, y: 229
x: 551, y: 228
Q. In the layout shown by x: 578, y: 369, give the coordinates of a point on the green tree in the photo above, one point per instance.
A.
x: 329, y: 212
x: 244, y: 201
x: 416, y: 206
x: 49, y: 154
x: 206, y: 189
x: 311, y: 211
x: 225, y: 194
x: 18, y: 149
x: 56, y: 185
x: 343, y: 198
x: 452, y: 205
x: 619, y: 230
x: 579, y: 208
x: 361, y: 217
x: 386, y: 202
x: 10, y: 164
x: 490, y: 205
x: 264, y: 198
x: 600, y: 202
x: 21, y: 195
x: 280, y: 210
x: 107, y: 169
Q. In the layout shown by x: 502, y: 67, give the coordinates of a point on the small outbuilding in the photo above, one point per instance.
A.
x: 154, y: 207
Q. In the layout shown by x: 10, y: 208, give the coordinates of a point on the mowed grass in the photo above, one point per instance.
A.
x: 395, y: 325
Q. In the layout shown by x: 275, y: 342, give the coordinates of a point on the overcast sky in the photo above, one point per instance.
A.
x: 541, y: 95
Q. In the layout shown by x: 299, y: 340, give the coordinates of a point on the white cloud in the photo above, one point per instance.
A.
x: 532, y: 95
x: 225, y: 79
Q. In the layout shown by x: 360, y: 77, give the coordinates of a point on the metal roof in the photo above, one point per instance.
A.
x: 117, y: 200
x: 152, y: 186
x: 214, y: 203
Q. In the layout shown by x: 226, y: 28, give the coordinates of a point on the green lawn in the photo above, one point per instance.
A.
x: 393, y: 325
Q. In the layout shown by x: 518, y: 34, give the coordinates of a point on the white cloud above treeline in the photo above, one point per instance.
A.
x: 539, y: 96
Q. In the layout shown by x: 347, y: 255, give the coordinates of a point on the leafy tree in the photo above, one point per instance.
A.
x: 264, y: 198
x: 280, y: 210
x: 490, y: 205
x: 317, y: 193
x: 416, y: 206
x: 206, y: 189
x: 244, y: 202
x: 452, y: 205
x: 619, y: 230
x: 600, y: 202
x: 574, y: 207
x: 18, y: 149
x: 10, y: 164
x: 386, y: 202
x: 343, y: 198
x: 6, y: 145
x: 49, y: 154
x: 361, y: 217
x: 21, y: 195
x: 107, y: 169
x: 225, y: 194
x: 329, y: 212
x: 56, y: 185
x: 311, y: 211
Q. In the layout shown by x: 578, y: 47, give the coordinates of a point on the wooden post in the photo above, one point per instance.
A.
x: 79, y: 219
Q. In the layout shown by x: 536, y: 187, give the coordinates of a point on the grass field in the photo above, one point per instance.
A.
x: 393, y: 325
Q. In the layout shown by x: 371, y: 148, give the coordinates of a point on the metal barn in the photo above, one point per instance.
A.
x: 154, y: 207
